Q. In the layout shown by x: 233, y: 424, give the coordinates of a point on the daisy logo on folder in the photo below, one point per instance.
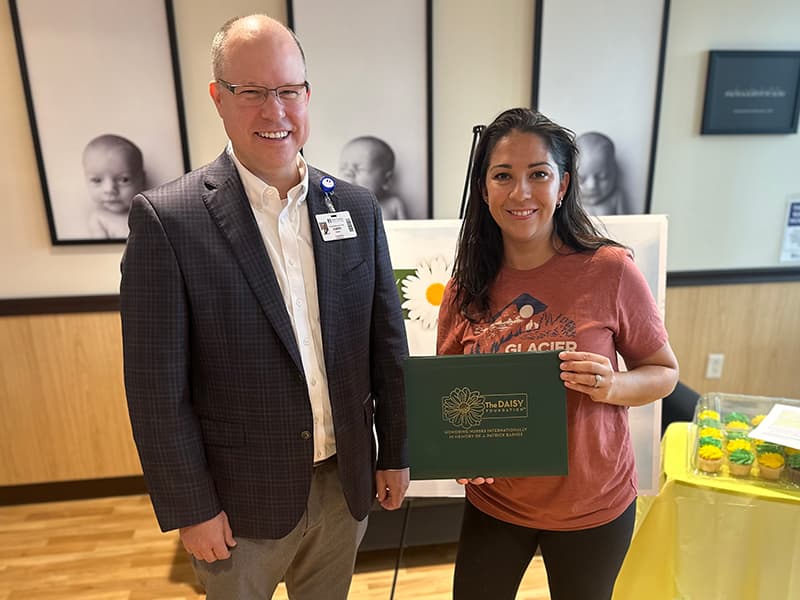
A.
x: 466, y: 408
x: 463, y: 408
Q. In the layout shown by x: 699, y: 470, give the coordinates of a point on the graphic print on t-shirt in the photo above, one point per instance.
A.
x: 524, y: 325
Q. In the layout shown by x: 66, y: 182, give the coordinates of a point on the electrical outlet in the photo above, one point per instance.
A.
x: 714, y: 366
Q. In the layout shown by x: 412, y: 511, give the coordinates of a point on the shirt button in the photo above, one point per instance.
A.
x: 305, y: 435
x: 319, y: 454
x: 306, y: 342
x: 299, y: 303
x: 313, y: 381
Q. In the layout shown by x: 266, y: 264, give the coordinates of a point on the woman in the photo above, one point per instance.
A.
x: 533, y: 272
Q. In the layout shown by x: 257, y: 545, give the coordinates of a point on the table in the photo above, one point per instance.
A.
x: 708, y: 538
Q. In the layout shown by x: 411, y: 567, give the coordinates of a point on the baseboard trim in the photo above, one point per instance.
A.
x: 71, y: 490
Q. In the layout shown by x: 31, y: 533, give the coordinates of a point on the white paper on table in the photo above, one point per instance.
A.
x: 780, y: 426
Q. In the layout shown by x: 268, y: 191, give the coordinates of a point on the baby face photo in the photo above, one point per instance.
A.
x: 98, y: 146
x: 114, y: 172
x: 607, y: 97
x: 370, y: 122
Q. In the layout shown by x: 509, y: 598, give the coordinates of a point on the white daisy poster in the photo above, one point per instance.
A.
x: 422, y: 257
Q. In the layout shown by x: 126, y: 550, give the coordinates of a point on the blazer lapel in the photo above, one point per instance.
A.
x: 227, y: 203
x: 328, y: 262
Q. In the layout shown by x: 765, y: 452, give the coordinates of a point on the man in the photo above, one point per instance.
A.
x: 259, y: 350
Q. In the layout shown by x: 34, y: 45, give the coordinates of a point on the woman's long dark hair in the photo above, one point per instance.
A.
x: 479, y: 254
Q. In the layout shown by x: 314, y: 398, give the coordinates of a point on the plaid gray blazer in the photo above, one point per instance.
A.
x: 216, y: 392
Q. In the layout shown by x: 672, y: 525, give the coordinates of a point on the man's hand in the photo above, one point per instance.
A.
x: 392, y: 486
x: 209, y: 540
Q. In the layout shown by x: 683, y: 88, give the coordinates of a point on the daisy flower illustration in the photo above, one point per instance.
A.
x: 464, y: 408
x: 424, y: 289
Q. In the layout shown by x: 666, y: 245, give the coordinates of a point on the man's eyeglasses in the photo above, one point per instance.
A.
x: 256, y: 95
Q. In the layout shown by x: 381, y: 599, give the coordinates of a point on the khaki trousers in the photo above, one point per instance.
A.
x: 315, y: 559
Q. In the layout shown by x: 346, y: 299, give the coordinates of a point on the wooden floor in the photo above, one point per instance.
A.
x: 112, y: 549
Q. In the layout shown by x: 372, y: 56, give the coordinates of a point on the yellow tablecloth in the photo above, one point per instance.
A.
x: 709, y: 538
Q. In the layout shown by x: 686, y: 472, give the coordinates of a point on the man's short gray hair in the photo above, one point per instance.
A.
x: 219, y: 43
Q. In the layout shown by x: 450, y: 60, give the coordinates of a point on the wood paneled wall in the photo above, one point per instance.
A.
x: 62, y: 404
x: 756, y: 327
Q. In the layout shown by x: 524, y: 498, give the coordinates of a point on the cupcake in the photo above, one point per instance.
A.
x: 709, y: 441
x: 737, y: 435
x: 738, y: 444
x: 756, y: 421
x: 709, y: 432
x: 709, y: 459
x: 767, y: 448
x: 736, y: 416
x: 793, y: 471
x: 770, y: 465
x: 709, y: 423
x: 708, y: 414
x: 740, y: 461
x: 737, y: 426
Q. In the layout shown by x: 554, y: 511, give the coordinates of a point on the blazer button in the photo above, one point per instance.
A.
x: 306, y: 435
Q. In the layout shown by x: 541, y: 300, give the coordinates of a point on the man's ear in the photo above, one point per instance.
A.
x: 216, y: 96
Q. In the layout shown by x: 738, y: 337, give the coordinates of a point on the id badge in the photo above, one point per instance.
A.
x: 336, y: 226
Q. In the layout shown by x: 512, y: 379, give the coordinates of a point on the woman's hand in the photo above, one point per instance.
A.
x: 588, y: 373
x: 645, y: 381
x: 475, y: 480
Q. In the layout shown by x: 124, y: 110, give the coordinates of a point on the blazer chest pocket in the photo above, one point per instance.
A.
x: 354, y: 272
x: 222, y: 433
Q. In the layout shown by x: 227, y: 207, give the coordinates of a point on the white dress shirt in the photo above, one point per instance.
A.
x: 285, y: 228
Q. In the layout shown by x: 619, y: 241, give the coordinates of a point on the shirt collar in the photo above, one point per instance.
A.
x: 260, y: 193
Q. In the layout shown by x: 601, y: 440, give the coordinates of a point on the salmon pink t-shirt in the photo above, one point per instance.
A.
x: 594, y: 301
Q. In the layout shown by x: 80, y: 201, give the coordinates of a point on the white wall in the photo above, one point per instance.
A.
x: 725, y: 195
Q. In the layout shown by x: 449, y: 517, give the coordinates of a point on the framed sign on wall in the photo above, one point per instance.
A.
x: 751, y: 92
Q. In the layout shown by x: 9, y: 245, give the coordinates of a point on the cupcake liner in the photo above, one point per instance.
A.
x: 709, y: 466
x: 769, y: 472
x: 738, y: 470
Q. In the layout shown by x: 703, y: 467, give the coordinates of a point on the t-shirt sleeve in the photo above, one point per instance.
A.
x: 641, y: 331
x: 451, y: 324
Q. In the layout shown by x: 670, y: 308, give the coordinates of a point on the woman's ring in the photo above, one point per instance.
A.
x: 597, y: 379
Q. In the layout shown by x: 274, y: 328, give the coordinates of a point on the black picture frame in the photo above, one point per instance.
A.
x: 106, y: 72
x: 751, y: 92
x: 369, y: 64
x: 603, y: 85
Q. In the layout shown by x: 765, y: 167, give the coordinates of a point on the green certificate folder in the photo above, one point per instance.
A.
x: 495, y: 415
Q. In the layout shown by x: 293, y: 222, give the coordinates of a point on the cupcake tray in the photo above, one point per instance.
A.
x: 721, y: 446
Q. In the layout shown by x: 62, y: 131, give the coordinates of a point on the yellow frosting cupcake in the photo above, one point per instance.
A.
x: 740, y: 444
x: 738, y: 426
x: 755, y: 421
x: 709, y: 459
x: 710, y: 432
x: 770, y: 465
x: 708, y: 414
